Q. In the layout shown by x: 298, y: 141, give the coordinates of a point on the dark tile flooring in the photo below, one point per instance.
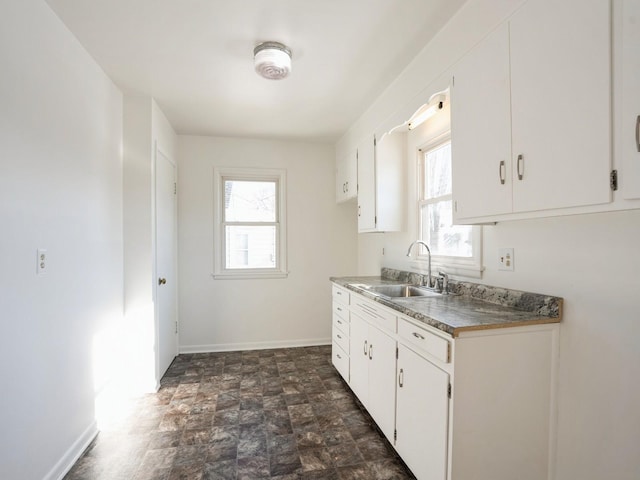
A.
x: 279, y: 414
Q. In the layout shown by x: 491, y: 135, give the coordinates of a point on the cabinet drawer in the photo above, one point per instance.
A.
x: 340, y: 360
x: 341, y: 338
x: 341, y: 324
x: 370, y: 311
x: 340, y: 295
x: 424, y: 340
x: 340, y: 310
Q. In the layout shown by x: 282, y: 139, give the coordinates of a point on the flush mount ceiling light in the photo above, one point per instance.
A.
x: 272, y: 60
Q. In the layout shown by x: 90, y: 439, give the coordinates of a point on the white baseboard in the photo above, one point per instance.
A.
x: 72, y: 455
x: 232, y: 347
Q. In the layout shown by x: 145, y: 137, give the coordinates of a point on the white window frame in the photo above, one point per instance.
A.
x: 279, y: 176
x: 457, y: 266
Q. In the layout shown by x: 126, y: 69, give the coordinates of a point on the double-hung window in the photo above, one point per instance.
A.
x: 250, y: 233
x: 455, y: 248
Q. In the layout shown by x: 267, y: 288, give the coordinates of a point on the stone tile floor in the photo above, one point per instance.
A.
x: 279, y: 414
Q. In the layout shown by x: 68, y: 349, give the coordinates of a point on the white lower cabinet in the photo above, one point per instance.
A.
x: 422, y: 415
x: 373, y: 371
x: 340, y: 331
x: 479, y: 406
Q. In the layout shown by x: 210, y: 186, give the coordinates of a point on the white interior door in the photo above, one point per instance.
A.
x: 166, y: 255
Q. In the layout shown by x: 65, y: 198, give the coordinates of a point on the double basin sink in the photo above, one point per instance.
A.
x: 400, y: 291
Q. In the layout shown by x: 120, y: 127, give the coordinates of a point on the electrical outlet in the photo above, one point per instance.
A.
x: 41, y: 265
x: 505, y: 259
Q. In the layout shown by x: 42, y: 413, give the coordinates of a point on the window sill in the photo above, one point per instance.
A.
x: 249, y: 275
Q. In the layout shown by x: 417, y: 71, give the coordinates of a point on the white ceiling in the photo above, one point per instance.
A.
x: 195, y: 57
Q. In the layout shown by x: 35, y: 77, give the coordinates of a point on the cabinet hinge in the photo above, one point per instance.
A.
x: 397, y: 352
x: 448, y: 352
x: 175, y: 188
x: 613, y: 180
x: 449, y: 391
x: 176, y: 327
x: 453, y: 81
x: 395, y: 435
x: 374, y: 140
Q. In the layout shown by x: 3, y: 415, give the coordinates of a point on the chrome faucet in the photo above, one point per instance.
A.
x: 429, y: 257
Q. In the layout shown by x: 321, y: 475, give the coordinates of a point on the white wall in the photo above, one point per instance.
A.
x: 145, y: 128
x: 60, y: 189
x: 233, y: 314
x: 592, y: 261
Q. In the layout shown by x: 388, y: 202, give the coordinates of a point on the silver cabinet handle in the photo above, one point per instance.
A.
x: 638, y: 133
x: 347, y: 186
x: 417, y: 335
x: 370, y: 352
x: 365, y: 348
x: 401, y: 378
x: 502, y: 172
x: 358, y: 210
x: 520, y: 163
x: 162, y: 281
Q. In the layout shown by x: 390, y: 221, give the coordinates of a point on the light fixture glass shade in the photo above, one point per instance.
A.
x: 272, y: 60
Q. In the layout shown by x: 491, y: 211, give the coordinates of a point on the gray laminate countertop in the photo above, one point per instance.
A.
x: 477, y: 307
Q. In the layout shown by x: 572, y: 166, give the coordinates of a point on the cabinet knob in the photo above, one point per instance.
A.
x: 162, y: 281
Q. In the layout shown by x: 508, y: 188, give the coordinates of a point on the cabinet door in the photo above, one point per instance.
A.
x: 359, y: 358
x: 422, y: 415
x: 366, y: 186
x: 382, y: 375
x: 389, y: 184
x: 560, y: 103
x: 346, y: 177
x: 630, y: 124
x: 481, y: 129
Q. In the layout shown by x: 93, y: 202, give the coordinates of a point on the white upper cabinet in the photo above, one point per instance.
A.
x: 347, y: 177
x: 367, y: 186
x: 553, y: 60
x: 481, y: 129
x: 561, y: 103
x: 380, y: 180
x: 630, y: 122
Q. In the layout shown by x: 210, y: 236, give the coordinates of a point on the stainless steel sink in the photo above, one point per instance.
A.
x: 403, y: 291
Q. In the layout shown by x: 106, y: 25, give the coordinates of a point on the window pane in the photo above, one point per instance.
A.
x: 251, y: 247
x: 443, y: 237
x: 437, y: 171
x: 248, y: 201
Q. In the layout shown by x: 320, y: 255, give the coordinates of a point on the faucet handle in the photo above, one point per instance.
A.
x: 445, y: 281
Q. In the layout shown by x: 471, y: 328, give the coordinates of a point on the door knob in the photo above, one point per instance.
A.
x: 162, y: 281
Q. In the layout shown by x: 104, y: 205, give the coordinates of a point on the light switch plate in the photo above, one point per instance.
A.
x: 505, y: 259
